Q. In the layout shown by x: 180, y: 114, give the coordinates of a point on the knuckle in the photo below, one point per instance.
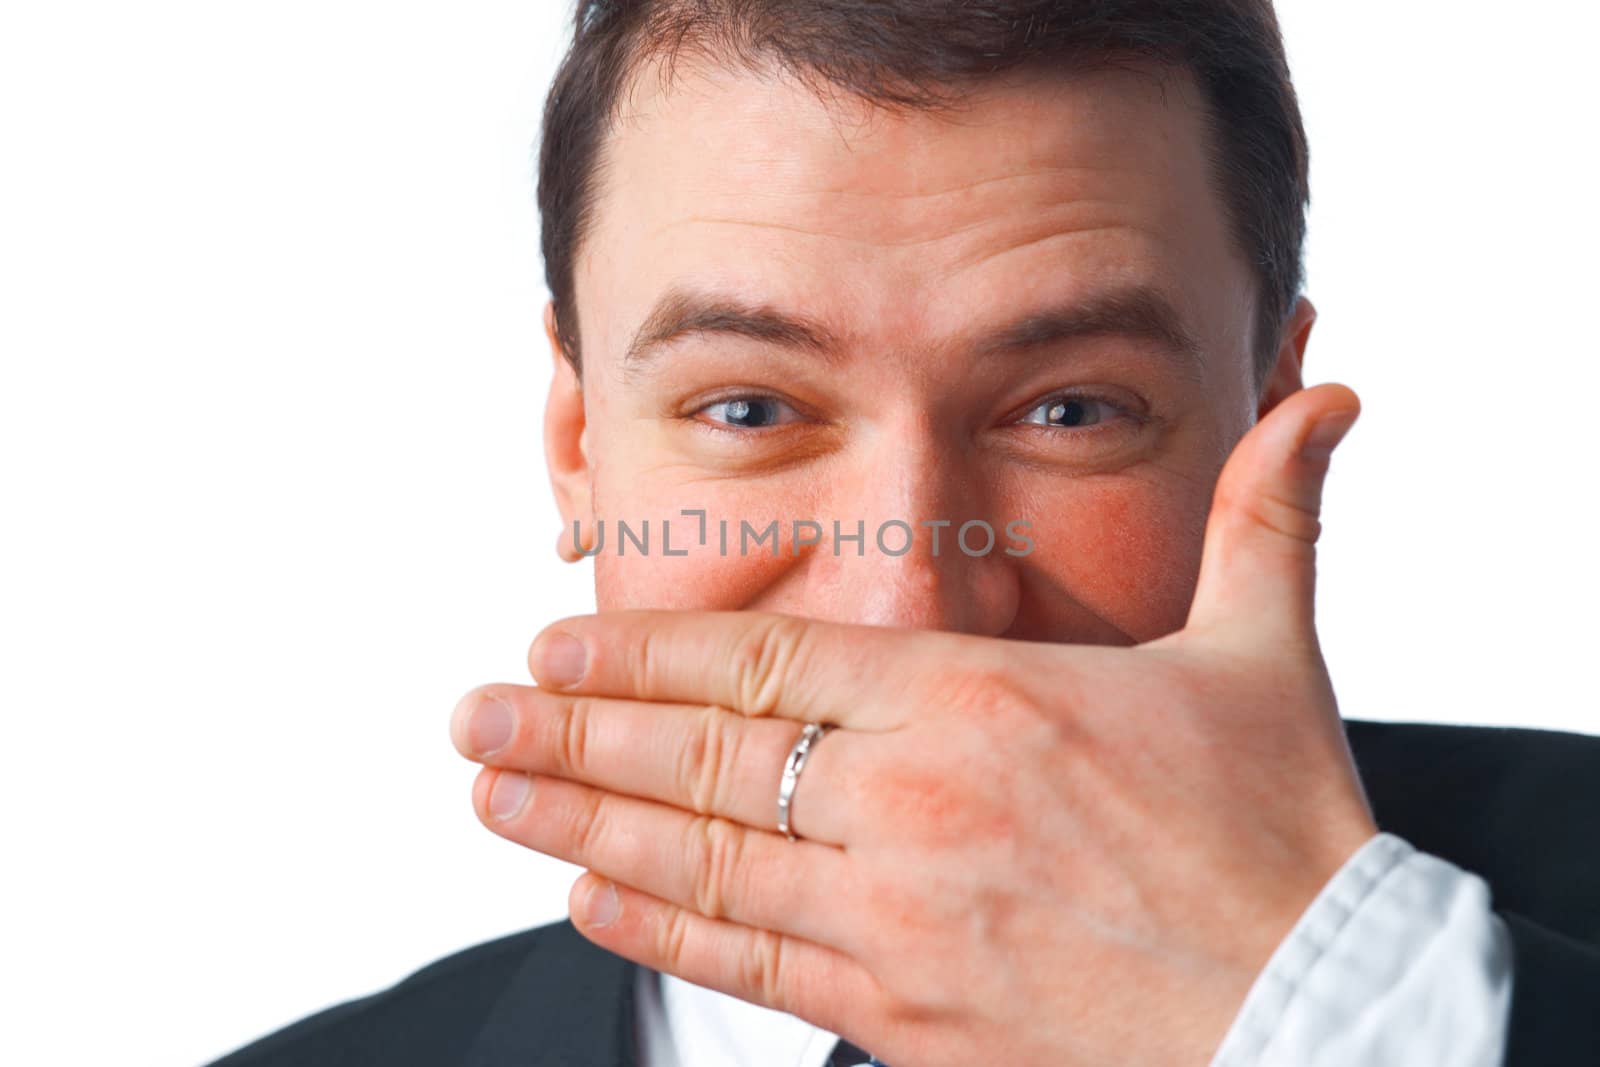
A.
x: 962, y: 795
x: 904, y: 921
x: 707, y: 762
x: 762, y: 658
x: 672, y: 938
x: 764, y: 969
x: 921, y: 800
x: 717, y: 849
x: 987, y: 693
x: 575, y: 732
x: 1275, y: 511
x: 588, y: 825
x: 1289, y: 517
x: 645, y: 661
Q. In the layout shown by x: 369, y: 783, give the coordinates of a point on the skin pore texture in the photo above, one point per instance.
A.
x: 910, y: 239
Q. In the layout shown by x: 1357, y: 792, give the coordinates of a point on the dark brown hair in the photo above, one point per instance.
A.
x: 919, y: 54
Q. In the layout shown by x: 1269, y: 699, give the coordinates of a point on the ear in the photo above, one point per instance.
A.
x: 566, y: 447
x: 1285, y: 379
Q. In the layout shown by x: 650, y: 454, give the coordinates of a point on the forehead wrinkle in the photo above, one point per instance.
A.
x: 822, y: 234
x: 1051, y: 197
x: 856, y: 189
x: 1061, y: 207
x: 1030, y: 236
x: 890, y: 171
x: 750, y: 144
x: 781, y: 174
x: 1055, y: 232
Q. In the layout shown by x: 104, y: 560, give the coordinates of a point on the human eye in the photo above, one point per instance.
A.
x: 747, y: 412
x: 1076, y: 412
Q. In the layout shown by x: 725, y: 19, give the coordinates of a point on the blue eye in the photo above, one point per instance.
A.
x: 749, y: 412
x: 1069, y: 412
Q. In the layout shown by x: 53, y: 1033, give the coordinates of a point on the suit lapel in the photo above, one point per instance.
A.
x: 570, y: 1004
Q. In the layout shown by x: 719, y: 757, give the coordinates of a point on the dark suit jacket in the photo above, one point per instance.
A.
x: 1519, y: 807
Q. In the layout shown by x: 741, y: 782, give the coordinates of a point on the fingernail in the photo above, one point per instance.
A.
x: 508, y: 794
x: 1326, y: 435
x: 560, y: 661
x: 491, y: 726
x: 602, y: 906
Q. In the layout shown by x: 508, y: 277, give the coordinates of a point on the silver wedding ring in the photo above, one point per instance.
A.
x: 791, y: 773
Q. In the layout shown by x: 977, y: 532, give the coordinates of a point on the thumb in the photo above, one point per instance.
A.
x: 1258, y: 569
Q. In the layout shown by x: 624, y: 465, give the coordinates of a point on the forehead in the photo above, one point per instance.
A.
x: 746, y: 181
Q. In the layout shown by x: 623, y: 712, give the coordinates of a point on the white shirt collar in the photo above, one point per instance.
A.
x: 685, y: 1025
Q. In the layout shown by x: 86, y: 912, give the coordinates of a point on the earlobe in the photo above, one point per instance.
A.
x: 1286, y: 376
x: 566, y: 450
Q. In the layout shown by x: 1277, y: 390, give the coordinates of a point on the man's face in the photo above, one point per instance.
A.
x: 1030, y: 310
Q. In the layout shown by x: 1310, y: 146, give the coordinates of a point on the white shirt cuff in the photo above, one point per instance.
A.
x: 1399, y: 961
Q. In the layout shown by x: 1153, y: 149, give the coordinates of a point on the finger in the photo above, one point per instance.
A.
x: 755, y: 663
x: 818, y: 984
x: 1258, y: 570
x: 703, y: 759
x: 714, y: 867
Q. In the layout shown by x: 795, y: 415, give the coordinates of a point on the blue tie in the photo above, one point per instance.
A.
x: 847, y: 1055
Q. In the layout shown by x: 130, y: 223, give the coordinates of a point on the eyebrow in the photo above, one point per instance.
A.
x: 682, y: 311
x: 1140, y: 311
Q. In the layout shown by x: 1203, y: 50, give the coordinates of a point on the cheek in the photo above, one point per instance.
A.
x: 700, y: 581
x: 1127, y: 554
x: 715, y: 576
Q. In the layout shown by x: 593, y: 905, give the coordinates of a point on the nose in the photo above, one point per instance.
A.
x: 912, y: 536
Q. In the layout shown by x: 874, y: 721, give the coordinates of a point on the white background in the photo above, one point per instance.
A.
x: 273, y: 495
